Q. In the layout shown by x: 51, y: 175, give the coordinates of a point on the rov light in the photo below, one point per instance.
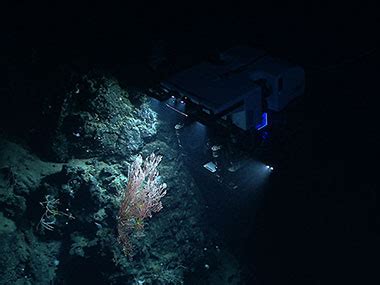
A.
x: 271, y: 168
x: 264, y: 122
x: 182, y: 102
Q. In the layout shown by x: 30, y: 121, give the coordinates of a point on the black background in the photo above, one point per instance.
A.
x: 330, y: 193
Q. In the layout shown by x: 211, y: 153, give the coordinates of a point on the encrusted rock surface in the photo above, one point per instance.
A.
x: 99, y: 134
x: 98, y: 119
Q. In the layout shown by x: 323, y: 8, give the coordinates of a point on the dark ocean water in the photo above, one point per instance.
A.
x: 303, y: 223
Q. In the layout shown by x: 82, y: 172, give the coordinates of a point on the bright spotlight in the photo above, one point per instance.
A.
x: 269, y: 167
x: 182, y: 102
x: 173, y: 97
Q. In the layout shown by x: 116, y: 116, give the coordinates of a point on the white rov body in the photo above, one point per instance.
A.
x: 238, y: 86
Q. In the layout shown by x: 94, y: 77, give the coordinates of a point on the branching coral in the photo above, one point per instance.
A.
x: 140, y: 199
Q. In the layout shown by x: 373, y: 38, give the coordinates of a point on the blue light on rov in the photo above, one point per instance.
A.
x: 264, y: 122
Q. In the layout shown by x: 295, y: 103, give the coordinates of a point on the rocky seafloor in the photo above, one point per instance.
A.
x: 99, y: 128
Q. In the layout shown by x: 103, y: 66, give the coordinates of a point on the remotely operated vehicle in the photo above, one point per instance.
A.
x: 244, y: 86
x: 238, y: 94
